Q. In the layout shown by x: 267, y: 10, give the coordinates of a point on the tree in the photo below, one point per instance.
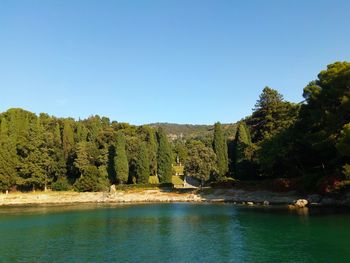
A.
x: 164, y: 159
x: 322, y: 120
x: 343, y: 143
x: 200, y: 161
x: 220, y: 149
x: 8, y: 158
x: 243, y: 152
x: 35, y: 169
x: 91, y: 180
x: 120, y: 160
x: 270, y: 115
x: 67, y: 139
x: 142, y: 165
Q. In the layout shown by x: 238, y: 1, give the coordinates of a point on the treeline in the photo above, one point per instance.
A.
x: 280, y: 139
x: 39, y: 152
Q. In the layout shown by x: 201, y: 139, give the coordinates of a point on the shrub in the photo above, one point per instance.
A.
x: 91, y: 181
x: 61, y: 185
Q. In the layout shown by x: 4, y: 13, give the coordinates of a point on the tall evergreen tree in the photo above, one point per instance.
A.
x: 220, y: 149
x: 143, y: 165
x: 164, y: 159
x: 120, y: 160
x: 271, y: 115
x: 8, y: 158
x: 151, y: 141
x: 243, y: 152
x: 67, y: 138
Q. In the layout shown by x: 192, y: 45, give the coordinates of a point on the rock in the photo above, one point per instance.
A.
x: 300, y: 203
x: 250, y: 203
x: 266, y: 202
x: 112, y: 189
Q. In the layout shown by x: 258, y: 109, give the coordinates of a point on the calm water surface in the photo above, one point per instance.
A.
x: 171, y: 233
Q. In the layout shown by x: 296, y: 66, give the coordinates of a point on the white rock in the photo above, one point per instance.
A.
x: 300, y: 203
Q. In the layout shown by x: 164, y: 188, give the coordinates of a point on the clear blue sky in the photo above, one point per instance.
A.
x: 184, y: 61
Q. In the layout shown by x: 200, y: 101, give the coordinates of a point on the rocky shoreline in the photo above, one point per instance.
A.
x: 237, y: 196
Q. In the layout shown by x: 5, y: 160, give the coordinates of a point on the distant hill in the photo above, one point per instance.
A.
x: 185, y: 131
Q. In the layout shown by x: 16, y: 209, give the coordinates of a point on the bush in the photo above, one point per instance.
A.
x: 61, y: 185
x: 329, y: 184
x: 91, y: 181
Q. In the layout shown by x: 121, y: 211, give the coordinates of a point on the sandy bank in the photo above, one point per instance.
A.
x: 133, y: 196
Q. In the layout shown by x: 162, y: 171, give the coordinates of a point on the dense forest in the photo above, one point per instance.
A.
x: 307, y: 143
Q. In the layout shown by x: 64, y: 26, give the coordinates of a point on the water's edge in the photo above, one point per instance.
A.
x: 237, y: 196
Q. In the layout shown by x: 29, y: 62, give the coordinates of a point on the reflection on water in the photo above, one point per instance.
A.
x: 172, y: 233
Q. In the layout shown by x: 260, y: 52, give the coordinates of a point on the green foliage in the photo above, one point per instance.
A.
x: 91, y: 180
x: 143, y: 165
x: 120, y: 159
x: 322, y: 120
x: 153, y: 179
x: 67, y: 139
x: 271, y: 115
x: 220, y: 149
x: 201, y: 161
x: 346, y: 171
x: 244, y: 150
x: 164, y: 157
x: 8, y: 158
x: 61, y: 184
x: 343, y: 144
x: 311, y: 139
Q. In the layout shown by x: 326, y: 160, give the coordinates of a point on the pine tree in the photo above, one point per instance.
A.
x: 120, y: 160
x: 143, y: 165
x: 164, y: 157
x: 271, y: 115
x: 220, y: 149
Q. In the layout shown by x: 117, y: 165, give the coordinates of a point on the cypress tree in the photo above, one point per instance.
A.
x: 164, y: 157
x: 120, y: 160
x: 242, y: 157
x: 220, y: 149
x: 152, y: 150
x: 67, y: 139
x: 8, y: 158
x: 143, y: 165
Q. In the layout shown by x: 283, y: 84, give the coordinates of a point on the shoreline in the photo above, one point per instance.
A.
x: 236, y: 196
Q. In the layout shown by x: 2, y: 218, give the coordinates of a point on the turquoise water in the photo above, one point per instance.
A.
x: 171, y: 233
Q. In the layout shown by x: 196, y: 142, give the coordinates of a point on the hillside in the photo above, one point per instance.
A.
x: 185, y: 131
